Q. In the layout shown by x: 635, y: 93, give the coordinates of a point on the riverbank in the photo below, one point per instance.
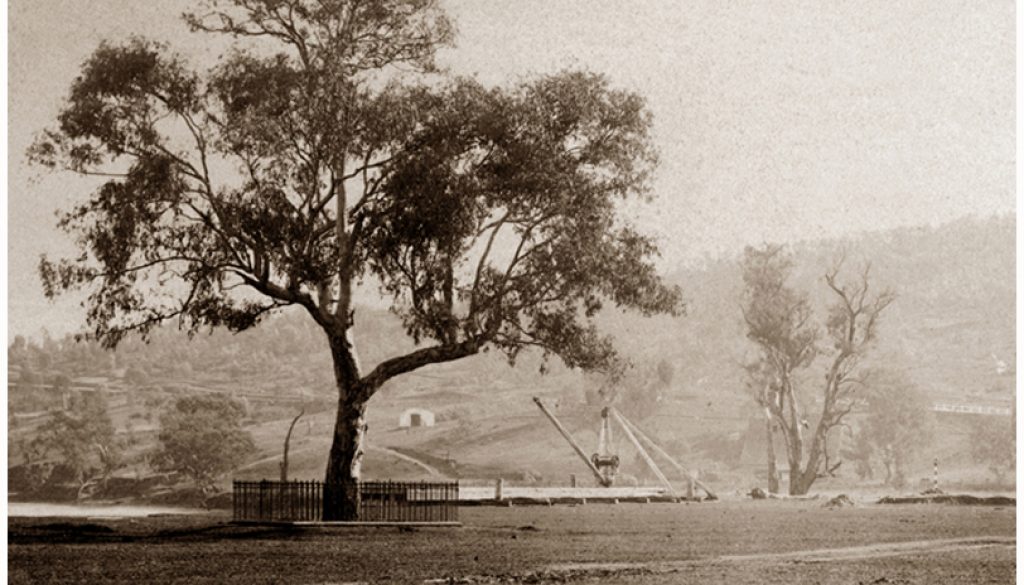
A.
x: 95, y: 510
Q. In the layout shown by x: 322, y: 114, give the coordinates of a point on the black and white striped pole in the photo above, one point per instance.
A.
x: 935, y: 474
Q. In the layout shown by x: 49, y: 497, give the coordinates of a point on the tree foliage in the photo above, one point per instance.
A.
x: 780, y: 322
x: 202, y: 438
x: 241, y: 179
x: 899, y: 422
x: 994, y: 443
x: 636, y: 388
x: 860, y: 452
x: 81, y: 439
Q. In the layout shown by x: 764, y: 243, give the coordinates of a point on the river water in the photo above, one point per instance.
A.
x: 40, y: 509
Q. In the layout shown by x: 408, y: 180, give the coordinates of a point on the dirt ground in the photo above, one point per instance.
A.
x: 722, y: 542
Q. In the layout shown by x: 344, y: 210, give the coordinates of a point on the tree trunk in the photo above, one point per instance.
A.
x: 887, y: 461
x: 773, y: 472
x: 344, y: 463
x: 795, y: 447
x: 796, y: 479
x: 796, y: 455
x: 809, y: 473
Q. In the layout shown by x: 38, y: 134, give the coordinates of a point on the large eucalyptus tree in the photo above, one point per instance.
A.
x: 322, y: 154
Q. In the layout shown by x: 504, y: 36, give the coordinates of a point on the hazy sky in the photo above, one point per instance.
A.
x: 775, y: 120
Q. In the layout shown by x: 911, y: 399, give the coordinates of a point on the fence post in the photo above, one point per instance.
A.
x: 259, y: 499
x: 318, y: 501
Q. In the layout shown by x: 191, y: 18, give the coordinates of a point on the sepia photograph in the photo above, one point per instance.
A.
x: 532, y: 291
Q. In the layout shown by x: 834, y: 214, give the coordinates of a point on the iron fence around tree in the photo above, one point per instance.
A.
x: 379, y: 501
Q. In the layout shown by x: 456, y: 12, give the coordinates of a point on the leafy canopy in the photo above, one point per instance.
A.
x: 899, y: 421
x: 202, y: 438
x: 994, y: 443
x: 303, y: 165
x: 81, y: 439
x: 779, y: 318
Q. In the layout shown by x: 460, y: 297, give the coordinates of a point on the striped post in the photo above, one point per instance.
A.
x: 935, y: 474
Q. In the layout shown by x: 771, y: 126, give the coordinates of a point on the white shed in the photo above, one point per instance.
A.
x: 416, y: 417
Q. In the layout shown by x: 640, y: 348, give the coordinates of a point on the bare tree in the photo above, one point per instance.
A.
x: 287, y: 441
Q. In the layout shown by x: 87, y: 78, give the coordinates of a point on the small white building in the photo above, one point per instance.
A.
x: 416, y: 417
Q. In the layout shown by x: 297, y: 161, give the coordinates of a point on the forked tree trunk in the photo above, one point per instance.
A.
x: 341, y: 494
x: 805, y: 475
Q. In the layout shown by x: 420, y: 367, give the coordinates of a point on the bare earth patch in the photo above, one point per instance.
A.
x: 718, y: 543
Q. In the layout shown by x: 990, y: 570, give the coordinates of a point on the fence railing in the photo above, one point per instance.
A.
x: 379, y: 501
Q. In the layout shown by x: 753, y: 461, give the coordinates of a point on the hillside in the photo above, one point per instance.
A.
x: 952, y: 324
x: 953, y: 320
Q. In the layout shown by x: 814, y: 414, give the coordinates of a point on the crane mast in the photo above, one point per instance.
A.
x: 604, y: 481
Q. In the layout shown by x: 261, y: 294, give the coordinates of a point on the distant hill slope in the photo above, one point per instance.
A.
x: 953, y: 322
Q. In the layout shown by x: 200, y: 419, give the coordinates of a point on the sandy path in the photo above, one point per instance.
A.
x: 431, y: 470
x: 871, y: 551
x: 563, y: 572
x: 278, y: 457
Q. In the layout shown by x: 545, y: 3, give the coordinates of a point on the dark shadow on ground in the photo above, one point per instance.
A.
x: 961, y: 500
x: 66, y: 532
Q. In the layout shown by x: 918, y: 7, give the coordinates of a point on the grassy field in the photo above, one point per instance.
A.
x: 723, y: 542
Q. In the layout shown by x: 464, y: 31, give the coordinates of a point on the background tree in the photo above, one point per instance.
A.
x: 298, y: 170
x: 635, y: 387
x: 861, y: 453
x: 61, y: 382
x: 778, y: 319
x: 28, y: 376
x: 202, y: 438
x: 779, y: 322
x: 17, y: 351
x: 81, y: 440
x: 643, y: 387
x: 136, y: 376
x: 994, y: 443
x: 899, y: 423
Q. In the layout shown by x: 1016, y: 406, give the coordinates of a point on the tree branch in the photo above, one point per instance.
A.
x: 417, y: 359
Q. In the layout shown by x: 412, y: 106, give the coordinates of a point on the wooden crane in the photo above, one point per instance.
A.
x: 605, y: 465
x: 602, y: 478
